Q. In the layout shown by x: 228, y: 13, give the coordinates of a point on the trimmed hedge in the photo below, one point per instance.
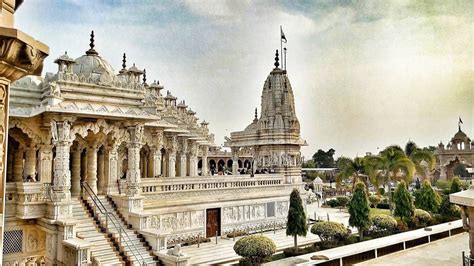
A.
x: 330, y: 231
x: 255, y: 248
x: 421, y: 218
x: 384, y: 223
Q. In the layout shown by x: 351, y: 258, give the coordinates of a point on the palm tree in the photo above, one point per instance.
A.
x: 353, y: 169
x: 418, y: 156
x: 391, y: 164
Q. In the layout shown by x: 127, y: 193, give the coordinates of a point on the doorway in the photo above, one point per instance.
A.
x: 213, y: 222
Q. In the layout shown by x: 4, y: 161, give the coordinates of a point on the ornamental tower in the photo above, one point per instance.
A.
x: 273, y: 138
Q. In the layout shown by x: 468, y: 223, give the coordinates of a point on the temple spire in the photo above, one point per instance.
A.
x: 124, y: 61
x: 144, y: 76
x: 91, y: 51
x: 255, y: 119
x: 276, y: 60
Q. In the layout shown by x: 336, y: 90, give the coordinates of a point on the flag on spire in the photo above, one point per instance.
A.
x: 460, y: 121
x: 283, y: 38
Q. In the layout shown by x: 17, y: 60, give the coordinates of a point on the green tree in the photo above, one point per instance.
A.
x: 359, y: 209
x: 353, y: 169
x: 427, y: 198
x: 391, y: 164
x: 460, y: 170
x: 418, y: 156
x: 403, y: 202
x: 255, y: 249
x: 296, y: 224
x: 324, y: 159
x: 456, y: 185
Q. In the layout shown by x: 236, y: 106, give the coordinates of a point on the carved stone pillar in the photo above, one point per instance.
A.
x: 20, y: 55
x: 443, y: 173
x: 205, y: 168
x: 30, y: 162
x: 133, y: 173
x: 76, y: 172
x: 111, y: 170
x: 235, y: 161
x: 60, y: 195
x: 100, y: 172
x: 92, y: 167
x: 45, y: 157
x: 182, y: 164
x: 155, y: 160
x: 172, y: 164
x: 18, y: 164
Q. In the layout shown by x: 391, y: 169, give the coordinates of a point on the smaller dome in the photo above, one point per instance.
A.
x: 92, y: 64
x: 253, y: 126
x: 460, y: 136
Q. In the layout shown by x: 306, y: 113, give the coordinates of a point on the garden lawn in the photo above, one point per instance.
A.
x: 375, y: 211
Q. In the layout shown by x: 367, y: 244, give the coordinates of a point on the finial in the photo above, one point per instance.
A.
x: 276, y: 59
x: 65, y: 52
x: 255, y: 118
x: 124, y: 61
x: 91, y: 51
x: 144, y: 76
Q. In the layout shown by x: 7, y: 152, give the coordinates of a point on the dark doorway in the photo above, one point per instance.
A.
x: 213, y: 222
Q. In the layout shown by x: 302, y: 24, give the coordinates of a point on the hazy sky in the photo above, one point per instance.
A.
x: 365, y: 74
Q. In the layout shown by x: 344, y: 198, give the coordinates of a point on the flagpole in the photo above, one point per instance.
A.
x: 281, y: 47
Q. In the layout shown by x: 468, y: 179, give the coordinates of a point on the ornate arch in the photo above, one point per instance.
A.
x: 453, y: 158
x: 36, y: 137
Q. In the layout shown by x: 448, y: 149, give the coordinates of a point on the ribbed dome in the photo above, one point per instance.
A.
x: 92, y: 64
x: 460, y: 136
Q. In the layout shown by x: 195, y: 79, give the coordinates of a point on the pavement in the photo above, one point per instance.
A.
x: 443, y: 252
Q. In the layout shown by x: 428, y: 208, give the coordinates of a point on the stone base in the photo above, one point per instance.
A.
x: 129, y: 205
x: 171, y: 260
x: 61, y: 210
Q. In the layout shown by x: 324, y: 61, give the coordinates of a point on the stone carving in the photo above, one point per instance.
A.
x: 176, y: 251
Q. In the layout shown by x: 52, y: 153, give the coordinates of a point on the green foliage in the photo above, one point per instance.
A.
x: 324, y: 159
x: 342, y: 201
x: 403, y: 202
x: 359, y: 209
x: 421, y: 218
x: 330, y: 231
x: 443, y: 184
x: 460, y: 170
x: 427, y: 198
x: 448, y: 211
x: 456, y: 185
x: 384, y: 223
x: 374, y: 200
x: 381, y: 191
x: 255, y: 248
x: 296, y: 223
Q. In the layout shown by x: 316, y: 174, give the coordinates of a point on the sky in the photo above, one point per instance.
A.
x: 365, y: 74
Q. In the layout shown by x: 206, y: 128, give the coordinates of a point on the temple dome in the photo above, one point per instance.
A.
x: 460, y: 136
x: 92, y: 64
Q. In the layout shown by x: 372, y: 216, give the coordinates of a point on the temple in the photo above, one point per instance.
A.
x: 105, y: 167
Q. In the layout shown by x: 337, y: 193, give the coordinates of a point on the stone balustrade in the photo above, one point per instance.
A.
x: 156, y: 185
x: 26, y: 200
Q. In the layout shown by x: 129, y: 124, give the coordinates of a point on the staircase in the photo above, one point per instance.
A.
x: 140, y: 244
x: 135, y: 250
x: 103, y: 250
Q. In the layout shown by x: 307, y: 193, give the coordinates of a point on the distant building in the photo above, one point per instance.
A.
x: 460, y: 150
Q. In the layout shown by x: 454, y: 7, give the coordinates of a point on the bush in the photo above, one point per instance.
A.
x: 290, y: 252
x: 374, y: 200
x: 330, y: 231
x: 448, y: 211
x: 342, y: 201
x: 384, y: 223
x: 255, y: 249
x: 421, y: 218
x: 456, y: 185
x: 359, y: 209
x: 236, y: 234
x: 443, y: 184
x: 333, y: 203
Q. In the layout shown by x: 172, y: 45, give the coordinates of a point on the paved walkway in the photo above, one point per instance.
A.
x: 442, y: 252
x: 210, y: 253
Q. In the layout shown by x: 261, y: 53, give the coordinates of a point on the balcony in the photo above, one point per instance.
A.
x: 26, y: 200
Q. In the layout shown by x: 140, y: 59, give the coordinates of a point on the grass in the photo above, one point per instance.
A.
x: 375, y: 211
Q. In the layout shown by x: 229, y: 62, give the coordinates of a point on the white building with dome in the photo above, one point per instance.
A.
x: 105, y: 168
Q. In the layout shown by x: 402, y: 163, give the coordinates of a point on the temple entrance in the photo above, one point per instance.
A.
x: 213, y: 222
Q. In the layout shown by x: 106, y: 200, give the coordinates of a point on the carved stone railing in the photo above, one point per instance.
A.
x: 26, y: 200
x: 177, y: 184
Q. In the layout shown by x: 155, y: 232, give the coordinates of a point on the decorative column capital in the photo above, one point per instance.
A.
x: 20, y: 54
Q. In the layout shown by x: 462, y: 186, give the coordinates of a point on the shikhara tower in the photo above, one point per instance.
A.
x: 274, y: 138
